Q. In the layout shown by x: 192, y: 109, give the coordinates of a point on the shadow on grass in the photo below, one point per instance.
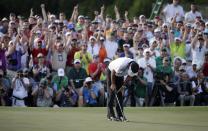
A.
x: 166, y: 124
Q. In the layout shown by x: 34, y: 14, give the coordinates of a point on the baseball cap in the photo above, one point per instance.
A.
x: 39, y: 55
x: 133, y: 69
x: 88, y: 79
x: 177, y: 38
x: 60, y: 72
x: 76, y: 61
x: 126, y: 45
x: 92, y: 37
x: 81, y: 16
x: 157, y: 30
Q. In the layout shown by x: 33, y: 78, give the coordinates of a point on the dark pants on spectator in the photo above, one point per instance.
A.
x: 112, y: 97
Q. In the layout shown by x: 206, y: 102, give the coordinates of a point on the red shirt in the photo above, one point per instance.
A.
x: 92, y: 68
x: 70, y: 56
x: 35, y: 53
x: 205, y: 69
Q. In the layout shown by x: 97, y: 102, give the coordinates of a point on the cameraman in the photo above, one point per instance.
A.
x: 20, y: 91
x: 44, y: 94
x: 4, y: 88
x: 88, y: 94
x: 68, y: 97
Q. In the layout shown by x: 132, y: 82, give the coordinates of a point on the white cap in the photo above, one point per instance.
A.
x: 60, y: 72
x: 77, y: 61
x: 206, y: 23
x: 126, y: 45
x: 68, y: 33
x: 157, y: 30
x: 177, y: 38
x: 92, y: 37
x: 102, y: 38
x: 88, y: 79
x: 81, y: 16
x: 52, y: 16
x: 165, y: 24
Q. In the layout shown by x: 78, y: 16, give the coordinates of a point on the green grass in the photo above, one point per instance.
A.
x: 94, y: 119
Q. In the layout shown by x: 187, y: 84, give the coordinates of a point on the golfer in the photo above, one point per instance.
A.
x: 117, y: 69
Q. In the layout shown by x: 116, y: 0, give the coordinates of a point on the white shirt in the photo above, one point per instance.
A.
x: 93, y: 50
x: 170, y: 11
x: 148, y: 73
x: 120, y: 66
x: 111, y: 48
x: 190, y: 16
x: 198, y: 55
x: 195, y: 86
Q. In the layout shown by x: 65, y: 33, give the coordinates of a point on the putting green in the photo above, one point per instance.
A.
x: 94, y: 119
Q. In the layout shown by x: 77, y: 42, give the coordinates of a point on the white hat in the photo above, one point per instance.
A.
x: 126, y: 45
x: 146, y: 50
x: 77, y: 61
x: 67, y: 33
x: 52, y: 16
x: 178, y: 38
x: 81, y: 16
x: 92, y: 37
x: 157, y: 30
x: 206, y: 23
x: 165, y: 24
x: 102, y: 38
x: 88, y: 79
x: 60, y: 72
x: 107, y: 60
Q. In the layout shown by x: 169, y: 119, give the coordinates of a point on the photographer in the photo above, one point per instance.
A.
x: 43, y: 94
x: 164, y: 91
x: 20, y: 91
x: 4, y: 88
x: 88, y: 94
x: 68, y: 97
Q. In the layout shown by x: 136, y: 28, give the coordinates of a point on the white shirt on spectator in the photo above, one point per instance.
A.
x: 170, y: 11
x: 198, y: 55
x: 190, y: 16
x: 148, y: 73
x: 111, y: 48
x: 93, y: 50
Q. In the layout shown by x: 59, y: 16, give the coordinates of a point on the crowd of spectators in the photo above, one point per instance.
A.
x: 52, y: 61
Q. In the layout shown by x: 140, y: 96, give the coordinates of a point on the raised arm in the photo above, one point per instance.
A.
x: 43, y: 12
x: 116, y: 12
x: 193, y: 42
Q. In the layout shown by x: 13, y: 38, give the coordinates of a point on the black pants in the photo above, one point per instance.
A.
x: 111, y: 96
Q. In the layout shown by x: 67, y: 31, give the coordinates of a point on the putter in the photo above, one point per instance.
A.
x: 124, y: 118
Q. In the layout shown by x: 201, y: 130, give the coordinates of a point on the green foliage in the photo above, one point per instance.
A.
x: 86, y: 7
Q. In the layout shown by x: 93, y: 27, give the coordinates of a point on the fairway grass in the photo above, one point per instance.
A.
x: 94, y: 119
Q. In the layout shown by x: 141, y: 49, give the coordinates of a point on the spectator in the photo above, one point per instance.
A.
x: 185, y: 90
x: 95, y: 69
x: 4, y: 89
x: 84, y: 56
x: 102, y: 51
x: 177, y: 48
x: 3, y: 57
x: 44, y: 94
x: 126, y: 52
x: 40, y: 70
x: 88, y: 94
x: 111, y: 46
x: 192, y: 14
x: 165, y: 68
x: 60, y: 80
x: 199, y: 46
x: 140, y: 85
x: 20, y: 91
x: 149, y: 65
x: 205, y: 65
x: 172, y: 10
x: 77, y: 75
x: 93, y: 47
